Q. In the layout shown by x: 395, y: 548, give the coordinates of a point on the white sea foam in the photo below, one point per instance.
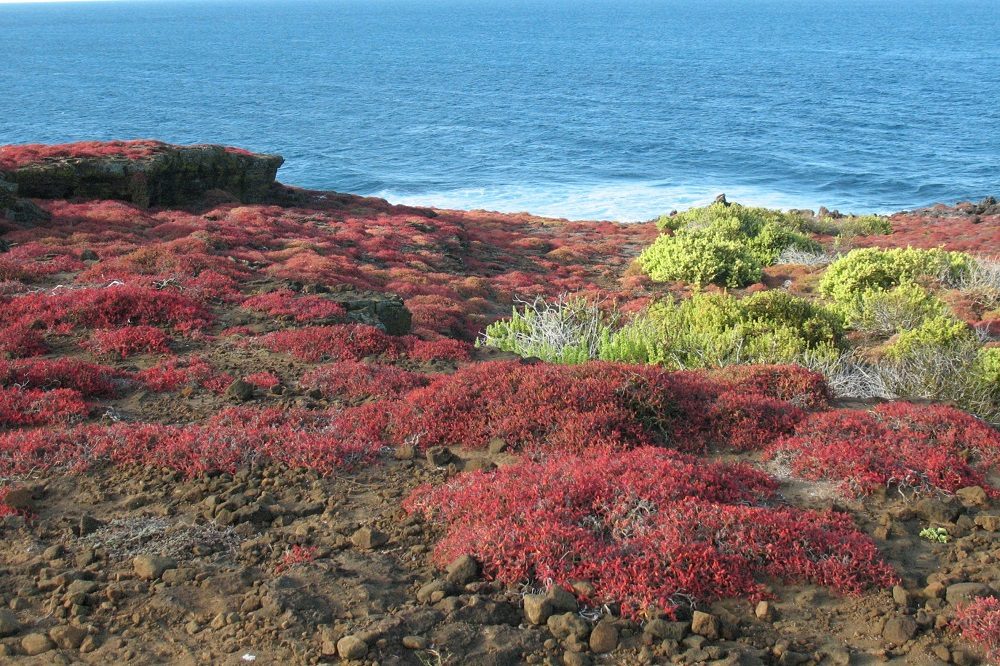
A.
x: 624, y: 202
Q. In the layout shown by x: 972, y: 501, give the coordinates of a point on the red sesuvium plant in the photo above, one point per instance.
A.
x: 285, y: 303
x: 591, y: 406
x: 31, y: 407
x: 173, y: 373
x: 979, y: 623
x: 263, y: 380
x: 921, y: 447
x: 647, y: 528
x: 355, y: 381
x: 230, y: 440
x: 793, y: 383
x: 17, y: 156
x: 295, y: 555
x: 128, y: 341
x: 339, y: 343
x: 66, y: 310
x: 90, y: 379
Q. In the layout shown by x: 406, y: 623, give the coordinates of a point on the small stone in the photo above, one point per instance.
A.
x: 764, y: 611
x: 663, y: 630
x: 20, y: 499
x: 497, y: 445
x: 439, y: 456
x: 462, y: 570
x: 839, y: 657
x: 972, y: 496
x: 901, y: 596
x: 898, y: 630
x: 8, y: 623
x: 88, y: 255
x: 938, y: 510
x: 604, y: 637
x: 240, y: 391
x: 571, y: 658
x: 367, y: 538
x: 942, y: 652
x: 430, y: 590
x: 568, y: 624
x: 705, y: 624
x: 935, y: 590
x: 67, y: 636
x: 537, y: 608
x: 88, y: 645
x: 405, y: 452
x: 36, y: 644
x: 989, y: 521
x: 561, y: 600
x: 352, y: 647
x: 962, y: 592
x: 150, y: 567
x: 414, y: 642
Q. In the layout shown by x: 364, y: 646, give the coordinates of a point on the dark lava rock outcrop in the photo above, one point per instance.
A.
x: 172, y: 175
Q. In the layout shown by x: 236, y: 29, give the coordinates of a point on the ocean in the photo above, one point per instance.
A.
x: 611, y: 109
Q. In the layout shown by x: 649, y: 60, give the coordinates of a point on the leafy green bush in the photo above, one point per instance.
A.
x: 941, y: 332
x: 877, y: 269
x: 706, y: 330
x: 727, y: 245
x: 902, y: 308
x: 863, y: 225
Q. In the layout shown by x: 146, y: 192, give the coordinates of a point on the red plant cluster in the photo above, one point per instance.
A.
x: 591, y: 406
x: 263, y: 380
x: 31, y: 407
x: 128, y: 341
x: 90, y: 379
x: 793, y: 383
x: 285, y: 303
x: 17, y: 156
x: 924, y: 447
x: 230, y: 440
x: 339, y: 343
x: 172, y: 373
x: 354, y: 381
x: 979, y: 622
x: 646, y: 528
x: 65, y: 310
x: 296, y: 555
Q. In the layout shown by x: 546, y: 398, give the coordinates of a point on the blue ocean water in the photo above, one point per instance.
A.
x: 618, y: 109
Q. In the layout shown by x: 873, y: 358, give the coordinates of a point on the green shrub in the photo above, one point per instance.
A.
x: 877, y: 269
x: 706, y: 330
x: 864, y: 225
x: 941, y: 332
x: 899, y: 309
x: 727, y: 245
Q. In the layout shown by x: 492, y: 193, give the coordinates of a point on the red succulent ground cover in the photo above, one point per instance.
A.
x: 592, y: 406
x: 90, y: 379
x: 353, y: 381
x: 30, y: 407
x: 286, y: 303
x: 226, y: 442
x: 128, y: 341
x: 646, y: 528
x: 979, y: 622
x: 924, y: 447
x: 13, y: 157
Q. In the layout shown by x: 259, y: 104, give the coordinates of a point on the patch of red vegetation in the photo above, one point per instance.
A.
x: 353, y: 381
x: 926, y: 447
x: 63, y: 311
x: 263, y: 380
x: 296, y: 555
x: 646, y: 528
x: 31, y: 407
x: 90, y: 379
x: 961, y: 233
x: 979, y: 622
x: 17, y: 156
x: 285, y: 303
x: 591, y: 406
x: 173, y: 373
x: 792, y: 383
x: 128, y: 341
x: 230, y: 440
x: 339, y: 343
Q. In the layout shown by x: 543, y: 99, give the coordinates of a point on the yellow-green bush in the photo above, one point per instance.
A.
x: 863, y: 225
x: 877, y: 269
x: 941, y: 332
x: 899, y: 309
x: 727, y: 245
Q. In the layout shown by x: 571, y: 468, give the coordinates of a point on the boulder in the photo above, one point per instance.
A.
x: 537, y: 608
x: 150, y: 567
x: 462, y: 570
x: 604, y: 637
x: 168, y: 176
x: 8, y: 623
x: 963, y: 592
x: 352, y: 647
x: 898, y: 630
x: 705, y: 624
